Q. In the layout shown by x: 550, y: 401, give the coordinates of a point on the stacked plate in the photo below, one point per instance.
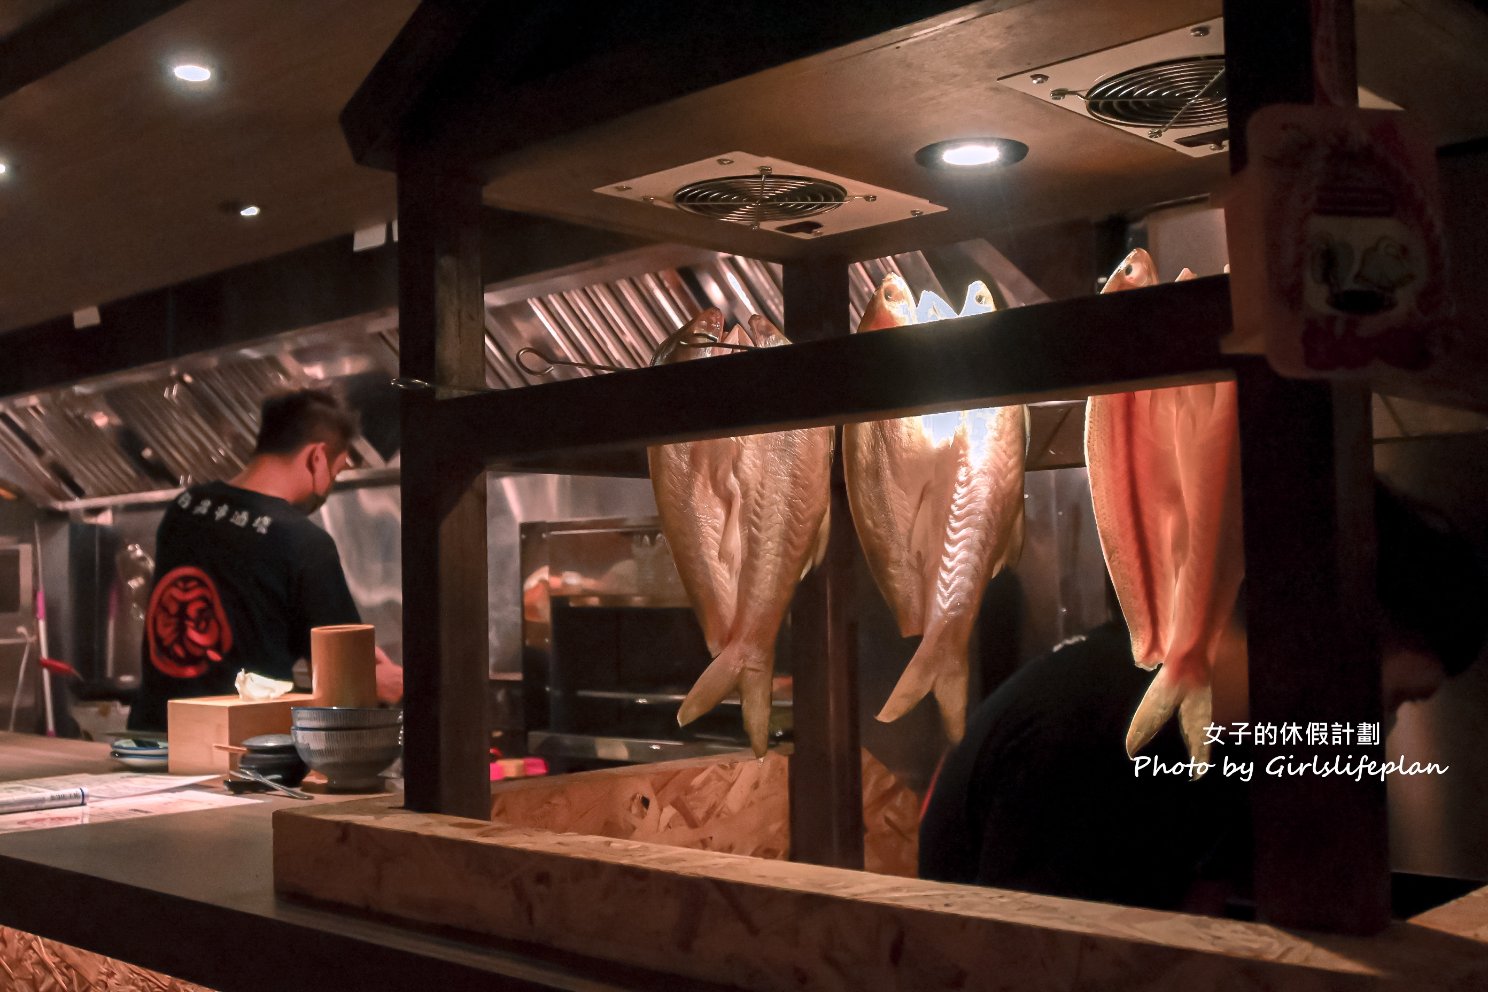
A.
x: 350, y: 746
x: 143, y: 755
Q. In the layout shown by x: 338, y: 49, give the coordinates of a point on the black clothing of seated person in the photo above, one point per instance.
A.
x: 1040, y: 794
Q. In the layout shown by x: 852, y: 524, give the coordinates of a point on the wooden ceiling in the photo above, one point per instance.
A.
x: 861, y: 112
x: 118, y: 174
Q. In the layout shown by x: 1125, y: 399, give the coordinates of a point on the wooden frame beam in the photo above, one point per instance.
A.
x: 445, y: 648
x: 826, y: 786
x: 1070, y: 348
x: 1321, y: 844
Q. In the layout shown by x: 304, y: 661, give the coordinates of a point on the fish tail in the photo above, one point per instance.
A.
x: 738, y: 667
x: 717, y: 681
x: 1158, y: 703
x: 1194, y: 714
x: 950, y: 696
x: 934, y: 668
x: 1167, y: 694
x: 754, y: 693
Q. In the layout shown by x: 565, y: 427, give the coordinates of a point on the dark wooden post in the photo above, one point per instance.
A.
x: 1322, y: 858
x: 446, y: 653
x: 826, y: 789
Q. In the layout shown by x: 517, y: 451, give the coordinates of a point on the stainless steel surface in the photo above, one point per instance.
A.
x: 136, y: 435
x: 1439, y: 823
x: 513, y: 500
x: 632, y: 750
x: 662, y: 698
x: 367, y: 526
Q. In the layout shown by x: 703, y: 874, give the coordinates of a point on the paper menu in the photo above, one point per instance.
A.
x: 129, y: 808
x: 109, y: 785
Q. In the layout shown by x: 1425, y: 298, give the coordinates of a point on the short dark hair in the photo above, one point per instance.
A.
x: 289, y: 421
x: 1430, y: 581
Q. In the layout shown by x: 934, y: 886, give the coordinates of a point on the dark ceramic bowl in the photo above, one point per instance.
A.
x: 286, y: 769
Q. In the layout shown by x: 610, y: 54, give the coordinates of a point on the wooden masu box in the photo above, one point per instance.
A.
x: 485, y: 105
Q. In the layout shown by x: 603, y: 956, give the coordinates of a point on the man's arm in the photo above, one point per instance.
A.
x: 389, y: 679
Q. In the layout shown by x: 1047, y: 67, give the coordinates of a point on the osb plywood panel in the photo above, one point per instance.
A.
x: 763, y: 924
x: 737, y: 805
x: 729, y: 804
x: 29, y: 963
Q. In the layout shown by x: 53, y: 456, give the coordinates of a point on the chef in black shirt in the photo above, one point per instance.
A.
x: 1040, y: 794
x: 242, y: 574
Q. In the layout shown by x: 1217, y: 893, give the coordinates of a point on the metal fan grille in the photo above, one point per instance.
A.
x: 1187, y: 92
x: 757, y: 199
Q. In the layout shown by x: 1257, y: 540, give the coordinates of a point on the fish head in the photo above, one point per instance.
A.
x: 1135, y: 271
x: 765, y: 334
x: 891, y: 306
x: 932, y: 308
x: 706, y: 326
x: 978, y: 300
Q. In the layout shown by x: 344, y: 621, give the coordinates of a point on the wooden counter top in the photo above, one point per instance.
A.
x: 191, y: 895
x: 777, y: 925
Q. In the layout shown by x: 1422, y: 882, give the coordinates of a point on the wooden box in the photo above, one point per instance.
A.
x: 195, y: 725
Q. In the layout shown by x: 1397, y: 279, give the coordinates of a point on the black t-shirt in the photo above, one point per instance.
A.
x: 240, y: 578
x: 1040, y: 795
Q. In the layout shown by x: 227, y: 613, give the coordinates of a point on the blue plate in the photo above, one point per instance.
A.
x: 142, y: 762
x: 141, y: 748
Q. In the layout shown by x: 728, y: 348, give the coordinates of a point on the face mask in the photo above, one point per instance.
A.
x: 314, y: 502
x: 316, y: 499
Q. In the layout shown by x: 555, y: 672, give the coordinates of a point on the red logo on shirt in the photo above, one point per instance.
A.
x: 186, y: 626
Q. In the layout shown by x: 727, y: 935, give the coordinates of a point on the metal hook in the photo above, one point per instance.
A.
x: 696, y: 339
x: 551, y: 363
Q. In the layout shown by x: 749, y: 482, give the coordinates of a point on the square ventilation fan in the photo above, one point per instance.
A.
x: 770, y: 195
x: 1169, y: 88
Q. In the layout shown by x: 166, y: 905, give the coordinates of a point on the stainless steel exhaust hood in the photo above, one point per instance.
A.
x: 138, y: 436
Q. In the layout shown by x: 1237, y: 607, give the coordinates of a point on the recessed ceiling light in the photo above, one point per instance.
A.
x: 192, y: 72
x: 248, y: 211
x: 971, y: 153
x: 4, y: 167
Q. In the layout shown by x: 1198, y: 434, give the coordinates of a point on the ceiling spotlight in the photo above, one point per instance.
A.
x: 249, y: 211
x: 191, y: 72
x: 4, y: 167
x: 971, y: 153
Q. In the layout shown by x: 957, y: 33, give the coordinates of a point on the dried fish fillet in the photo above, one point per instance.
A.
x: 771, y: 494
x: 937, y: 519
x: 889, y: 467
x: 1165, y: 485
x: 697, y: 499
x: 982, y: 533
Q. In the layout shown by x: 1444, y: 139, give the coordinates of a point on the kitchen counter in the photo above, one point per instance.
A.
x: 191, y: 895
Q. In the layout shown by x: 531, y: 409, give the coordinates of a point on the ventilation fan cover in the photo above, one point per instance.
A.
x: 773, y: 195
x: 1168, y: 88
x: 1178, y: 93
x: 760, y: 198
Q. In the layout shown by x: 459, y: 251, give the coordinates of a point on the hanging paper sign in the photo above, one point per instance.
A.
x: 1336, y: 244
